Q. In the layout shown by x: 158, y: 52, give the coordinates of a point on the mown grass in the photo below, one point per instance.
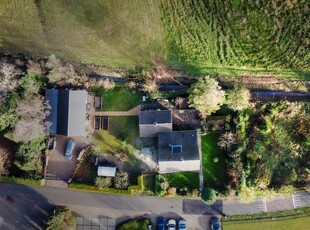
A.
x: 237, y: 37
x: 121, y: 135
x: 181, y: 180
x: 292, y: 224
x: 118, y: 99
x: 214, y: 173
x: 19, y: 180
x: 110, y: 33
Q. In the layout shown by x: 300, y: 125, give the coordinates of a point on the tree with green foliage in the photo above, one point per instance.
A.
x: 121, y: 180
x: 208, y: 195
x: 238, y: 98
x: 29, y: 156
x: 103, y: 182
x: 206, y: 96
x: 32, y: 84
x: 62, y: 219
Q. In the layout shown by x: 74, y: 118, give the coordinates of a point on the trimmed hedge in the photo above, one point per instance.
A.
x: 20, y: 180
x: 269, y: 215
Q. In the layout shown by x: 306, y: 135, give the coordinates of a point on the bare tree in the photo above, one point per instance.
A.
x: 150, y: 86
x: 9, y: 76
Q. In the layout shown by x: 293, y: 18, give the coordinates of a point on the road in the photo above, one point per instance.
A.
x: 24, y: 207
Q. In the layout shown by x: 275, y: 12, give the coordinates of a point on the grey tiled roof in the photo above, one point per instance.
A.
x: 152, y: 116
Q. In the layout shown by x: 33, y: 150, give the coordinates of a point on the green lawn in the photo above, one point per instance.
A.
x: 214, y: 173
x: 291, y: 224
x: 183, y: 179
x: 118, y: 99
x: 110, y: 33
x: 122, y: 133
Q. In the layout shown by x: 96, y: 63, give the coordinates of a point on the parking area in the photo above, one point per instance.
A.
x: 58, y: 167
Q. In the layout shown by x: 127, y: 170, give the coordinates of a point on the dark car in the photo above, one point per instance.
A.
x: 69, y: 149
x: 182, y: 224
x: 215, y: 223
x: 161, y: 223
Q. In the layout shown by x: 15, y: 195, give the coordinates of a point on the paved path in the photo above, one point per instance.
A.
x: 24, y: 207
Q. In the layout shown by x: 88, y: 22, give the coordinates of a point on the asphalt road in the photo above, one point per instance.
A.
x: 23, y: 207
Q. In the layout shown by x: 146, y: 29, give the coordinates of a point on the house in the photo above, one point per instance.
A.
x: 178, y: 151
x: 106, y: 171
x: 68, y: 111
x: 152, y: 122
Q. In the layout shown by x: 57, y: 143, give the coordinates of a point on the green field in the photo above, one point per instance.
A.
x: 220, y: 37
x: 291, y: 224
x: 238, y: 37
x: 110, y: 33
x: 214, y: 173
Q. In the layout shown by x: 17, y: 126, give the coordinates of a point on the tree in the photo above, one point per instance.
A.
x: 208, y: 195
x: 226, y: 140
x: 206, y: 96
x: 150, y: 86
x: 32, y: 113
x: 9, y: 77
x: 103, y: 182
x: 6, y: 156
x: 121, y: 180
x: 62, y: 219
x: 238, y: 98
x: 32, y: 84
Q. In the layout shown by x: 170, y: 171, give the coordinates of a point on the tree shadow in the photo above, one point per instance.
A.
x: 23, y: 208
x: 198, y: 207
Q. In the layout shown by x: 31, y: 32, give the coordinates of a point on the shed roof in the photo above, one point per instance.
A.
x: 106, y: 171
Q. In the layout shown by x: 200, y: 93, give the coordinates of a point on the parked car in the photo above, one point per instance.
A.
x: 70, y: 146
x: 215, y: 223
x: 172, y: 224
x: 160, y: 223
x: 182, y: 224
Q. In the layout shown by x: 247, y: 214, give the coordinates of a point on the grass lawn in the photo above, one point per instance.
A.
x: 118, y: 99
x: 109, y: 33
x: 183, y: 179
x: 121, y: 129
x: 291, y: 224
x: 214, y: 173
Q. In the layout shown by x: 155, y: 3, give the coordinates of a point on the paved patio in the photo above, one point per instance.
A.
x: 95, y: 223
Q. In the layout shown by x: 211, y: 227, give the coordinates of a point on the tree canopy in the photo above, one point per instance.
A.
x: 206, y: 96
x: 238, y: 98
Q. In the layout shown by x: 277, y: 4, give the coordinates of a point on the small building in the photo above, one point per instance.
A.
x: 152, y: 122
x: 178, y: 151
x: 106, y: 171
x: 68, y: 111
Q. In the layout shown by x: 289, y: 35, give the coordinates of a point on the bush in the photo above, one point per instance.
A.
x: 208, y: 195
x: 121, y: 180
x: 62, y: 219
x: 103, y: 182
x: 135, y: 224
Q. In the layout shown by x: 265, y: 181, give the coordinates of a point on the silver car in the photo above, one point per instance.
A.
x: 70, y: 146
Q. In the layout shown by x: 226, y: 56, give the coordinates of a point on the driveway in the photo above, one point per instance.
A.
x: 58, y: 167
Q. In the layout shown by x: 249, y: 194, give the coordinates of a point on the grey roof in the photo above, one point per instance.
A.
x: 68, y: 111
x: 187, y: 139
x: 152, y: 122
x: 186, y: 159
x: 155, y: 116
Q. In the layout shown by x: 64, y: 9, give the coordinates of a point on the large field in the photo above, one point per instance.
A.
x: 291, y: 224
x: 110, y: 33
x: 233, y: 36
x: 221, y: 37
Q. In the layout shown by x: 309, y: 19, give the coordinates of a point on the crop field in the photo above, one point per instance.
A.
x: 238, y: 37
x: 111, y: 33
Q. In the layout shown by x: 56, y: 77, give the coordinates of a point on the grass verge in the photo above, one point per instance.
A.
x: 181, y: 180
x: 19, y: 180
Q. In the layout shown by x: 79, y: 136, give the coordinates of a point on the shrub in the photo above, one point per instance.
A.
x: 135, y: 224
x: 208, y: 195
x: 121, y: 180
x: 103, y: 182
x: 62, y: 219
